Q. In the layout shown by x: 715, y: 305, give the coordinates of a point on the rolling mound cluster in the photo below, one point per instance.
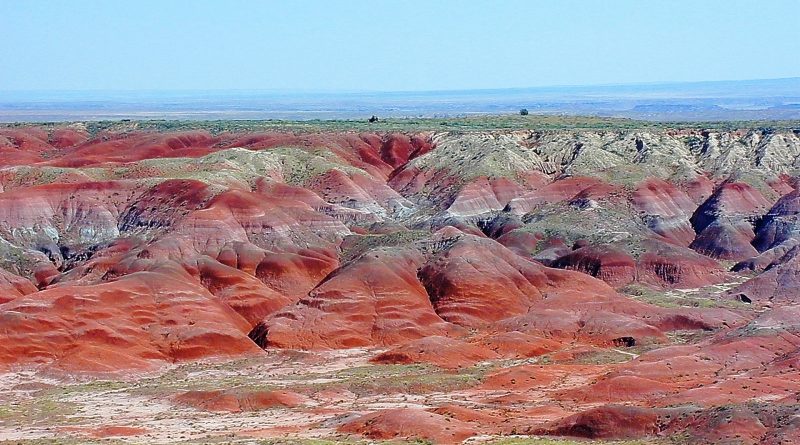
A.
x: 609, y: 284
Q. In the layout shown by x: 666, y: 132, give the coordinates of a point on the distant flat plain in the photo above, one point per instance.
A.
x: 774, y: 99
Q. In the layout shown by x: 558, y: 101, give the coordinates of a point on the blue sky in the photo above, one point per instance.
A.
x: 385, y: 45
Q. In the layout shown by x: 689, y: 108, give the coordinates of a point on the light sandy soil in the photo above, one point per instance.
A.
x: 338, y: 385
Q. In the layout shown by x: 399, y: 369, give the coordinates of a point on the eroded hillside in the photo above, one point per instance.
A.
x: 438, y: 285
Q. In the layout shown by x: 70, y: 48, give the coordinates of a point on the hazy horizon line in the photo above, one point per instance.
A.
x: 368, y: 91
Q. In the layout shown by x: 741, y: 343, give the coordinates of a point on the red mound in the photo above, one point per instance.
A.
x: 441, y: 351
x: 562, y: 190
x: 13, y: 286
x: 723, y: 224
x: 726, y: 240
x: 372, y: 199
x: 668, y: 210
x: 521, y: 243
x: 137, y: 322
x: 484, y: 420
x: 768, y: 257
x: 620, y: 389
x: 113, y: 148
x: 483, y: 195
x: 780, y: 223
x: 729, y: 199
x: 751, y: 362
x: 699, y: 188
x: 23, y: 146
x: 236, y: 401
x: 748, y: 425
x: 607, y: 263
x: 397, y: 149
x: 238, y: 216
x: 243, y: 292
x: 376, y: 300
x: 412, y: 424
x: 292, y: 272
x: 779, y: 283
x: 664, y: 264
x: 68, y: 137
x: 608, y: 422
x: 477, y: 281
x: 461, y: 279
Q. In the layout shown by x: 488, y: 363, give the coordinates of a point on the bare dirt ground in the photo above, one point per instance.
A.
x: 334, y: 387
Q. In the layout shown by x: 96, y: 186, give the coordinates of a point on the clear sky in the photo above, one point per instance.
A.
x: 390, y: 45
